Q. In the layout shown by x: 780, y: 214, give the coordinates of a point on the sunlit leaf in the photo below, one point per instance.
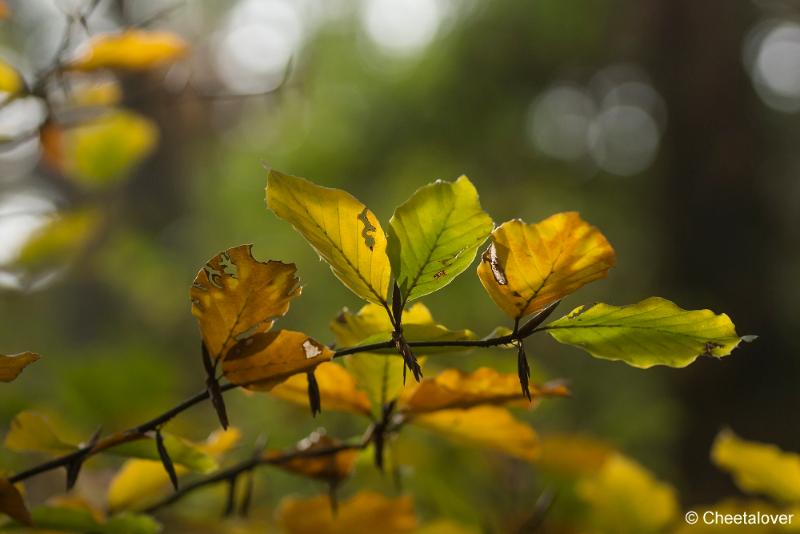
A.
x: 11, y: 366
x: 331, y: 468
x: 10, y: 80
x: 182, y: 451
x: 434, y: 235
x: 101, y: 150
x: 141, y: 482
x: 337, y: 387
x: 366, y: 511
x: 60, y: 241
x: 131, y: 49
x: 235, y: 297
x: 529, y: 266
x: 264, y: 360
x: 12, y: 504
x: 341, y: 229
x: 453, y: 388
x: 573, y: 455
x: 625, y: 498
x: 33, y: 432
x: 758, y: 467
x: 652, y: 332
x: 492, y: 427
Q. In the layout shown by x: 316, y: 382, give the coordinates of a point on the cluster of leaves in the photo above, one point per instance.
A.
x: 431, y: 239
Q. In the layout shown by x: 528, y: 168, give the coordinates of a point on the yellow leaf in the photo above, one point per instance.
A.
x: 485, y: 426
x: 32, y: 431
x: 341, y: 229
x: 572, y: 454
x: 12, y: 504
x: 261, y: 361
x: 337, y: 388
x: 364, y: 512
x: 101, y: 150
x: 331, y: 468
x: 131, y: 50
x: 758, y: 467
x: 235, y: 297
x: 624, y: 497
x: 445, y: 526
x: 453, y: 388
x: 95, y: 93
x: 529, y: 266
x: 11, y: 366
x: 59, y: 242
x: 10, y: 80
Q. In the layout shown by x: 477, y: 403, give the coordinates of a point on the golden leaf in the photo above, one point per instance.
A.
x: 12, y: 365
x: 32, y: 431
x: 332, y: 468
x: 529, y: 266
x: 235, y: 297
x: 10, y: 80
x: 492, y: 427
x: 131, y: 50
x: 12, y: 504
x: 572, y: 454
x: 364, y: 512
x: 337, y: 388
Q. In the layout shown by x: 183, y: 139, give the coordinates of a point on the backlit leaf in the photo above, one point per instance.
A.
x: 341, y: 229
x: 453, y: 388
x: 131, y: 49
x: 434, y: 235
x: 11, y: 366
x: 366, y: 511
x: 10, y: 80
x: 101, y: 150
x: 529, y: 266
x: 33, y: 432
x: 234, y: 297
x: 337, y: 388
x: 625, y: 498
x: 492, y: 427
x: 332, y: 468
x: 264, y: 360
x: 652, y: 332
x: 758, y: 467
x: 12, y: 504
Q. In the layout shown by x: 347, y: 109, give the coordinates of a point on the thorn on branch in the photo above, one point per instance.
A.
x: 247, y: 498
x: 74, y: 466
x: 212, y: 385
x: 405, y: 351
x: 523, y: 369
x: 535, y: 321
x: 230, y: 504
x: 314, y: 400
x: 333, y: 497
x: 166, y: 461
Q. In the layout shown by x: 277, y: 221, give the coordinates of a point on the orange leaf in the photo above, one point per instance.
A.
x: 12, y: 504
x: 131, y: 50
x: 332, y: 468
x: 337, y: 389
x: 11, y: 366
x: 529, y: 266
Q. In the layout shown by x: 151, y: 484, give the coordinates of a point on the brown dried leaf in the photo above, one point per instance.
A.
x: 12, y: 365
x: 12, y: 504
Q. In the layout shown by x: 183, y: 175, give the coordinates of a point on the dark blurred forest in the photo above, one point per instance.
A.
x: 671, y: 125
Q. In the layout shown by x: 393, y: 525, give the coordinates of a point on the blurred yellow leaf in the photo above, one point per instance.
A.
x: 131, y: 50
x: 341, y: 229
x: 573, y: 454
x: 140, y: 483
x: 95, y: 92
x: 234, y: 297
x: 337, y: 388
x: 758, y: 467
x: 529, y: 266
x: 485, y: 426
x: 32, y: 431
x: 10, y: 80
x: 101, y: 150
x: 365, y: 512
x: 12, y: 504
x: 261, y: 361
x: 445, y: 526
x: 331, y: 468
x: 625, y: 498
x: 453, y: 388
x: 12, y: 365
x: 60, y: 241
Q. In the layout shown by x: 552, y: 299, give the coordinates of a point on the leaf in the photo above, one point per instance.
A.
x: 434, y: 235
x: 337, y: 388
x: 485, y: 426
x: 453, y: 388
x: 102, y: 150
x: 10, y: 80
x: 12, y: 504
x: 341, y: 229
x: 331, y: 468
x: 615, y: 493
x: 652, y: 332
x: 574, y: 455
x: 529, y: 266
x: 59, y: 242
x: 234, y: 297
x: 366, y: 511
x: 12, y: 365
x: 33, y: 432
x: 81, y: 520
x: 262, y: 361
x: 181, y: 451
x: 131, y: 49
x: 758, y: 467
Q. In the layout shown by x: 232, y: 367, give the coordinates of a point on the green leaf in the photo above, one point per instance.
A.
x: 182, y: 452
x: 341, y: 229
x: 434, y: 235
x: 33, y: 432
x: 652, y: 332
x: 75, y: 519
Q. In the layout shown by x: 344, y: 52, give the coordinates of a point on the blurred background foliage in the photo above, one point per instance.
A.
x: 669, y: 124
